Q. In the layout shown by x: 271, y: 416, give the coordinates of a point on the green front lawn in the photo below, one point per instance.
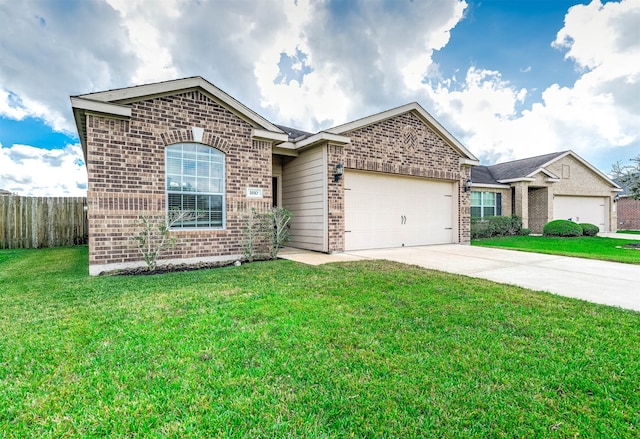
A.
x: 280, y: 349
x: 591, y: 247
x: 633, y: 232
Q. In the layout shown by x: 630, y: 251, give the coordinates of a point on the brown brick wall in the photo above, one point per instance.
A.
x: 538, y: 209
x: 402, y: 145
x: 125, y: 160
x: 628, y: 214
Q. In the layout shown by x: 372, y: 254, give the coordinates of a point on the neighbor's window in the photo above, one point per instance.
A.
x: 485, y: 204
x: 195, y: 184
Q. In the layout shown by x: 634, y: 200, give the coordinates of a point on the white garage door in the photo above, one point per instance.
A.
x: 580, y: 209
x: 390, y: 211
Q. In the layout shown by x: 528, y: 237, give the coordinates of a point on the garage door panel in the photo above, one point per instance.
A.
x: 581, y: 209
x: 391, y: 211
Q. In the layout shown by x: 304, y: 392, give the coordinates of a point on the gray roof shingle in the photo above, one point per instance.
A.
x: 511, y: 170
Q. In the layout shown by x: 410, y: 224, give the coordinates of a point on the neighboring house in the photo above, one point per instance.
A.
x: 628, y: 210
x: 187, y: 145
x: 560, y: 185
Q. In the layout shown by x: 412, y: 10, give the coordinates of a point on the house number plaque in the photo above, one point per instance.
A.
x: 254, y: 192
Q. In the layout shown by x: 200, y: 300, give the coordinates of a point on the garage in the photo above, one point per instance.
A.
x: 581, y: 209
x: 383, y: 210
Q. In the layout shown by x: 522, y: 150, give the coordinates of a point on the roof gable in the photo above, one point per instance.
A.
x: 123, y: 96
x: 414, y: 107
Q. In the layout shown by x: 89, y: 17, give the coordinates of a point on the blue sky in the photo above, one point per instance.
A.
x: 510, y: 79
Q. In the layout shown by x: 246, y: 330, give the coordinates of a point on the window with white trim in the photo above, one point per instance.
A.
x: 484, y: 204
x: 195, y: 185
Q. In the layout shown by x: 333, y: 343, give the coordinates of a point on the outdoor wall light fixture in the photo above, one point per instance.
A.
x: 467, y: 185
x: 616, y: 198
x: 339, y: 171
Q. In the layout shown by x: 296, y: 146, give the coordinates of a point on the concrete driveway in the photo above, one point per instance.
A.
x: 608, y: 283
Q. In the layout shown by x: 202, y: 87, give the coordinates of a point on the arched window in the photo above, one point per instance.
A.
x: 195, y: 185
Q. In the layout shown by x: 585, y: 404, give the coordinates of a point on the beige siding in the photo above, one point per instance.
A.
x: 304, y: 194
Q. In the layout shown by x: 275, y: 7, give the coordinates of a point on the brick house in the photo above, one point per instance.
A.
x: 560, y: 185
x: 391, y: 179
x: 628, y: 210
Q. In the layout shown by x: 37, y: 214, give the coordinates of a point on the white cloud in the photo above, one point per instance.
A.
x: 600, y: 111
x: 350, y: 59
x: 28, y: 170
x: 52, y: 50
x: 366, y: 57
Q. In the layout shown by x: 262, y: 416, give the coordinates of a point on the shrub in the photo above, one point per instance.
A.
x: 562, y: 228
x: 265, y: 233
x: 153, y: 234
x: 589, y: 229
x: 495, y: 226
x: 525, y: 232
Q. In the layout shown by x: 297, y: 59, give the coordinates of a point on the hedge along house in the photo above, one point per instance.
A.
x: 395, y: 178
x: 560, y: 185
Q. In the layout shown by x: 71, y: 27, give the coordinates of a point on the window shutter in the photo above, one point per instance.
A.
x: 498, y: 204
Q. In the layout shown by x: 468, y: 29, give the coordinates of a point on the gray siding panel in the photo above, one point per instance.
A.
x: 304, y: 193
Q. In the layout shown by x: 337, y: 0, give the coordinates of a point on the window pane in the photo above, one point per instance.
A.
x: 203, y: 168
x: 489, y: 199
x: 475, y: 212
x: 475, y: 198
x: 195, y: 184
x: 489, y: 211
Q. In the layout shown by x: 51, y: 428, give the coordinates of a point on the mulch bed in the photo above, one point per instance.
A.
x: 172, y: 268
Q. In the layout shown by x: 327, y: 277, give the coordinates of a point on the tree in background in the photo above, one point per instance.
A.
x: 629, y: 176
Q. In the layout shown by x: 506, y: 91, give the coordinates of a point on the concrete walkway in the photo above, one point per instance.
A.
x: 608, y: 283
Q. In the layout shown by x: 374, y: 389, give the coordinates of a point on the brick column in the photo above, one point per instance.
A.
x: 335, y: 195
x: 521, y: 190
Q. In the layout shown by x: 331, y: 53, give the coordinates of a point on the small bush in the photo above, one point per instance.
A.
x: 495, y: 226
x: 589, y: 229
x: 525, y: 232
x: 562, y: 228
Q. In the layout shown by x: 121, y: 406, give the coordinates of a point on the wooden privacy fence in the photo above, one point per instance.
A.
x: 35, y: 222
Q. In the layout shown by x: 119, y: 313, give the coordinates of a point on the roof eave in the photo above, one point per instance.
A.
x: 269, y: 136
x: 83, y: 106
x: 515, y: 180
x: 322, y: 137
x: 136, y: 93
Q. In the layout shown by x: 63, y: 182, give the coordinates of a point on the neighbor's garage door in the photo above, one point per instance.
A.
x: 390, y: 211
x: 581, y: 209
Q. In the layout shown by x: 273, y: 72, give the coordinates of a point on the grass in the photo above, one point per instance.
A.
x: 633, y: 232
x: 591, y: 247
x: 281, y: 350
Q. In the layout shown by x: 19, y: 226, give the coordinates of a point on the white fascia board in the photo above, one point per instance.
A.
x: 489, y: 186
x: 515, y: 180
x: 323, y: 136
x: 259, y: 134
x: 468, y: 162
x: 131, y: 94
x: 100, y: 107
x: 284, y: 151
x: 545, y: 172
x: 413, y: 106
x: 552, y: 180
